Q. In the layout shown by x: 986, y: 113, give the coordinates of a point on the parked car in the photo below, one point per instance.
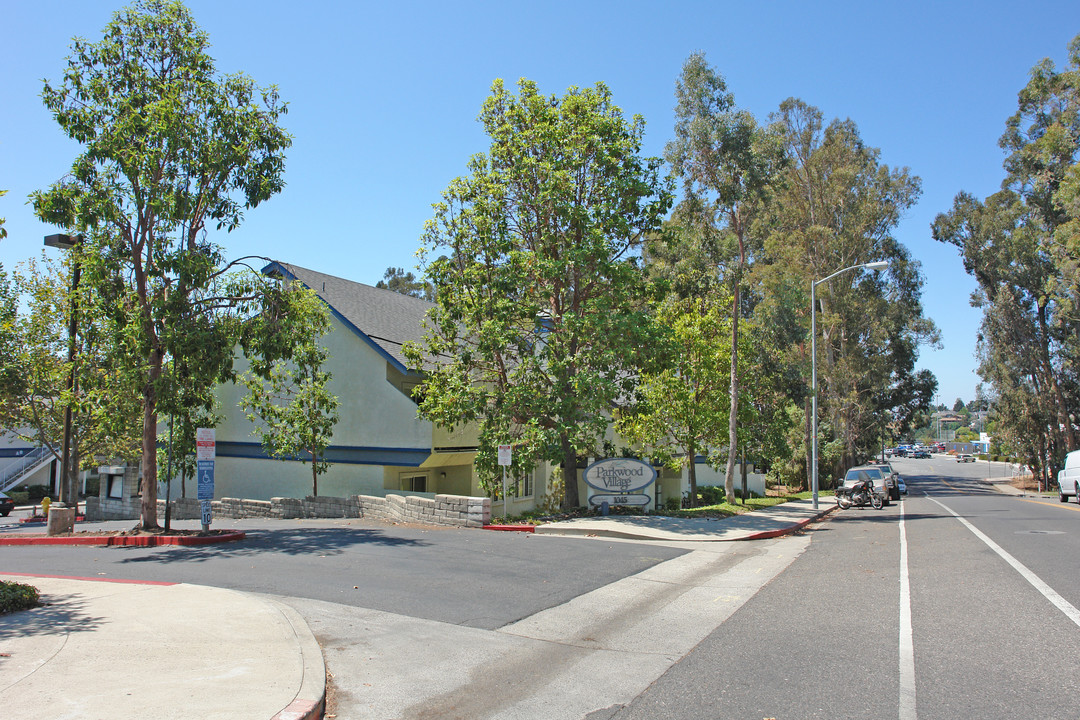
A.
x: 6, y: 505
x: 901, y: 484
x: 891, y: 478
x: 923, y: 454
x: 1069, y: 477
x: 858, y: 474
x: 965, y: 458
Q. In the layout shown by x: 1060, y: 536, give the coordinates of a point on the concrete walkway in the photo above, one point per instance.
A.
x: 97, y: 649
x: 758, y: 525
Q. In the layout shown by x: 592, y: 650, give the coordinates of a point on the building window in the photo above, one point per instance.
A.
x: 414, y: 483
x: 523, y: 485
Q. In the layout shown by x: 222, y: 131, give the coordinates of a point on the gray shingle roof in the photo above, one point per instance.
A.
x: 383, y: 318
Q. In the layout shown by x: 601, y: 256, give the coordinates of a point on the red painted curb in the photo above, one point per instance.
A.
x: 769, y: 534
x: 301, y: 710
x: 512, y: 528
x: 125, y: 540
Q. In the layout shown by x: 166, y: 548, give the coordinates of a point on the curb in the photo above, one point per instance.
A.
x: 125, y: 540
x: 511, y: 528
x: 310, y: 700
x: 790, y: 529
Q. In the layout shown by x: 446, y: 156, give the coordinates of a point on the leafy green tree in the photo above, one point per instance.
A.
x: 104, y: 410
x: 958, y: 405
x: 726, y: 162
x: 682, y: 408
x: 406, y: 283
x: 171, y: 151
x: 292, y: 407
x: 540, y: 319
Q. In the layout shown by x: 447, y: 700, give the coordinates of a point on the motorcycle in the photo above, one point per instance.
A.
x: 861, y: 494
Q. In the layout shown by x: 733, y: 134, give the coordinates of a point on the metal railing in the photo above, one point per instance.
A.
x: 14, y: 474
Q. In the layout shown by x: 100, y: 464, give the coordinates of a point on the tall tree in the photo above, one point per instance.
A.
x: 172, y: 150
x: 838, y: 206
x: 540, y: 315
x: 406, y: 283
x: 727, y: 161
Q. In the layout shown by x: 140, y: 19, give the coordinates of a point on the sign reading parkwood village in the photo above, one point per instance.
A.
x: 619, y: 481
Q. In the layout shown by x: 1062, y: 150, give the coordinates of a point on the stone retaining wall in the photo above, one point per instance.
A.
x: 455, y: 510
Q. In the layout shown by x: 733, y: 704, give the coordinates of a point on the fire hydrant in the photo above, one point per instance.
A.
x: 45, y: 503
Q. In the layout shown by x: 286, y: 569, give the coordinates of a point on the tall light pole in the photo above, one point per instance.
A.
x: 879, y: 265
x: 69, y: 495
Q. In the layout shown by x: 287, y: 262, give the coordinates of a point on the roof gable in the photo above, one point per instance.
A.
x: 384, y: 319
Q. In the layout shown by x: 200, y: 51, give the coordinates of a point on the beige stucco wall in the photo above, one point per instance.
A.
x: 372, y: 413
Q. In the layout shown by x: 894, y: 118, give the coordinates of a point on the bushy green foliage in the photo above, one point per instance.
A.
x: 711, y: 495
x: 16, y: 596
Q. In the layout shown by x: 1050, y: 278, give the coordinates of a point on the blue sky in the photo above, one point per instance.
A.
x: 384, y: 98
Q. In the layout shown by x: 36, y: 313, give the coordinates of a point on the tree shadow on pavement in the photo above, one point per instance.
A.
x: 291, y: 541
x: 58, y: 614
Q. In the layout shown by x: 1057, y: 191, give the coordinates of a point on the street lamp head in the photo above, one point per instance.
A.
x: 61, y: 241
x: 878, y: 265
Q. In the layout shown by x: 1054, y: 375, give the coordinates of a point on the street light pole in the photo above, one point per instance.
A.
x: 69, y: 496
x: 879, y: 265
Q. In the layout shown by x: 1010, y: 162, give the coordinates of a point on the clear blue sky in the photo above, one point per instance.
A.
x: 383, y: 100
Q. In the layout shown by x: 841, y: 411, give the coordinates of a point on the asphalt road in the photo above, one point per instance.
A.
x: 958, y: 602
x: 906, y: 612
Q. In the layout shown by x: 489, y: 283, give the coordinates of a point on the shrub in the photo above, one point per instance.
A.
x: 16, y: 596
x: 711, y: 495
x: 672, y: 504
x: 34, y: 493
x: 21, y: 497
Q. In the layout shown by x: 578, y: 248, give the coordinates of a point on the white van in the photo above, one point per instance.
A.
x: 1069, y: 477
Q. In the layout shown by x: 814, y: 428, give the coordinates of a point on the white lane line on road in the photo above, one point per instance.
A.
x: 1048, y: 592
x: 907, y: 643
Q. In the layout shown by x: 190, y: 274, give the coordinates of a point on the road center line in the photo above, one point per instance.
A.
x: 907, y: 644
x: 1048, y: 592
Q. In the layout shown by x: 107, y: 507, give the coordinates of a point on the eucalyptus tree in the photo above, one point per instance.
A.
x: 541, y: 321
x: 1020, y: 244
x: 837, y: 207
x: 172, y: 151
x: 726, y: 162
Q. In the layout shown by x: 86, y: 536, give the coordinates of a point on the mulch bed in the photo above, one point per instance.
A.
x: 137, y: 537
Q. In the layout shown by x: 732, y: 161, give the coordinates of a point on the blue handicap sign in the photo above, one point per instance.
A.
x: 206, y: 479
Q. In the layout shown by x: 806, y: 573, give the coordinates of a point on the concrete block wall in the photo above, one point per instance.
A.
x: 454, y: 510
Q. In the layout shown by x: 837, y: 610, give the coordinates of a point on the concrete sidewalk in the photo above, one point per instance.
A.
x: 97, y: 649
x: 758, y: 525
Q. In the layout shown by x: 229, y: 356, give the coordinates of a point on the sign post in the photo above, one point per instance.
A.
x: 205, y: 451
x: 505, y: 459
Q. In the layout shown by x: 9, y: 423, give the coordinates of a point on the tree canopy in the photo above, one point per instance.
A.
x: 171, y: 151
x: 540, y: 319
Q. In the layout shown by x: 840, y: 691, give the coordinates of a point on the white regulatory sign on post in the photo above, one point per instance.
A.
x: 505, y: 455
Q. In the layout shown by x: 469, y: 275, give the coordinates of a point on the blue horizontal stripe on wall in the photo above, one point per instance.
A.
x: 404, y: 457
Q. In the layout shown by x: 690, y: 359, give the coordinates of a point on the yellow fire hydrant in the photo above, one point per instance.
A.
x: 45, y: 503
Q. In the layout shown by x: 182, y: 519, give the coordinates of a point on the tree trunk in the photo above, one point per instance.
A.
x: 149, y: 444
x: 733, y: 417
x: 314, y: 474
x: 570, y: 479
x: 809, y: 441
x: 692, y: 468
